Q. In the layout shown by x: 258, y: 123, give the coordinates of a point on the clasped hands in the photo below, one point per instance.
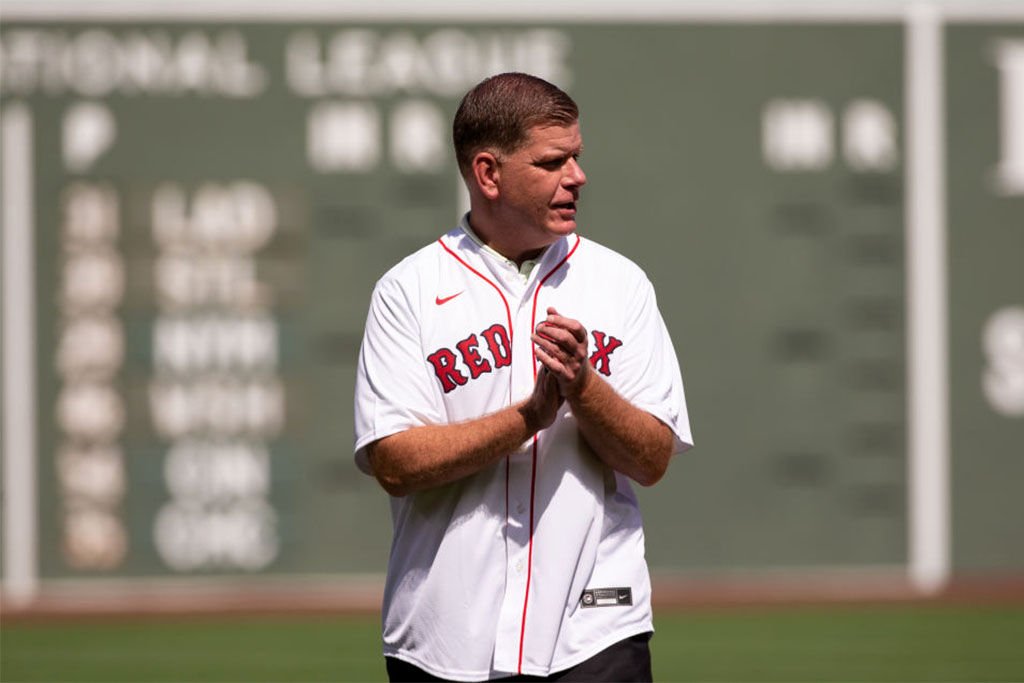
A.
x: 561, y: 347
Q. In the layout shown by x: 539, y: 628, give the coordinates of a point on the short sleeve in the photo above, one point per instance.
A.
x: 651, y: 379
x: 393, y: 390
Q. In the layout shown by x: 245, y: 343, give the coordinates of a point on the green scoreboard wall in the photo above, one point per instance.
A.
x: 204, y: 205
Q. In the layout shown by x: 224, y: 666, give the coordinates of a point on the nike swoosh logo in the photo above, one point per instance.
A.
x: 438, y: 300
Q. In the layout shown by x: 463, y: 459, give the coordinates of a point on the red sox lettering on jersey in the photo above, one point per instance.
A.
x: 446, y: 365
x: 604, y: 348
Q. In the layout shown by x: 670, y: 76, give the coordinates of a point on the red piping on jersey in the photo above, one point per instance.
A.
x: 533, y: 472
x: 508, y: 311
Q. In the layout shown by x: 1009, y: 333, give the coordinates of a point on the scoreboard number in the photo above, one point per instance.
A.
x: 1003, y: 377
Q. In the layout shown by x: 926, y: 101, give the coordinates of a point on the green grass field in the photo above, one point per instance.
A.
x: 806, y: 644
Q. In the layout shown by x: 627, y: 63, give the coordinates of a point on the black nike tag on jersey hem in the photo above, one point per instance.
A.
x: 606, y: 597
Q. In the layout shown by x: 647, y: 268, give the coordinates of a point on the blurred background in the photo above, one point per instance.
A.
x: 197, y: 199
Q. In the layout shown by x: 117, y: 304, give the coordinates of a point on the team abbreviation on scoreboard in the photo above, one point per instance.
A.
x: 216, y: 395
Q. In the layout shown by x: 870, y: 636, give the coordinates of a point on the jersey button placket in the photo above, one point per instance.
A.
x: 506, y: 652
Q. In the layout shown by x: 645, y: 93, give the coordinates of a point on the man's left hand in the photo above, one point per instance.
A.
x: 561, y: 345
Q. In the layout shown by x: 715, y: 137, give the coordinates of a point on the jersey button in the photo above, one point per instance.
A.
x: 520, y: 508
x: 519, y: 566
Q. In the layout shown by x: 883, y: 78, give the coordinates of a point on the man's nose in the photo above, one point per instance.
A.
x: 575, y: 176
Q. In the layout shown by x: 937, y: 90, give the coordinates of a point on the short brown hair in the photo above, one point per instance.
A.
x: 499, y: 112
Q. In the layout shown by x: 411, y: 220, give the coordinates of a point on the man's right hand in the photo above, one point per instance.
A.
x: 432, y: 455
x: 541, y: 409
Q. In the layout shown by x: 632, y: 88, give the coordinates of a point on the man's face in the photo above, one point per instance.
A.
x: 540, y: 186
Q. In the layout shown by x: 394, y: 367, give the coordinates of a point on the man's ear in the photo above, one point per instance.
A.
x: 486, y: 172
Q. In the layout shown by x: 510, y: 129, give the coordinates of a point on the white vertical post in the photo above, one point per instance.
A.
x: 21, y: 572
x: 927, y: 315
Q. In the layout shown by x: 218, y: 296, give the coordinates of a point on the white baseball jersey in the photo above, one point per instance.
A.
x: 535, y: 563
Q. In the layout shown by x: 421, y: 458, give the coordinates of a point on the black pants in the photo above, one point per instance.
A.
x: 626, y: 660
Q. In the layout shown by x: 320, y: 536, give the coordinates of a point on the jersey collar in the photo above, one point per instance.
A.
x: 523, y: 271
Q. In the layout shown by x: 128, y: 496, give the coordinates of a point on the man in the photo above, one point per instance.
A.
x: 513, y: 377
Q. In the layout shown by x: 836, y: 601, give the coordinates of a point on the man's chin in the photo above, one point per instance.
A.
x: 563, y: 226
